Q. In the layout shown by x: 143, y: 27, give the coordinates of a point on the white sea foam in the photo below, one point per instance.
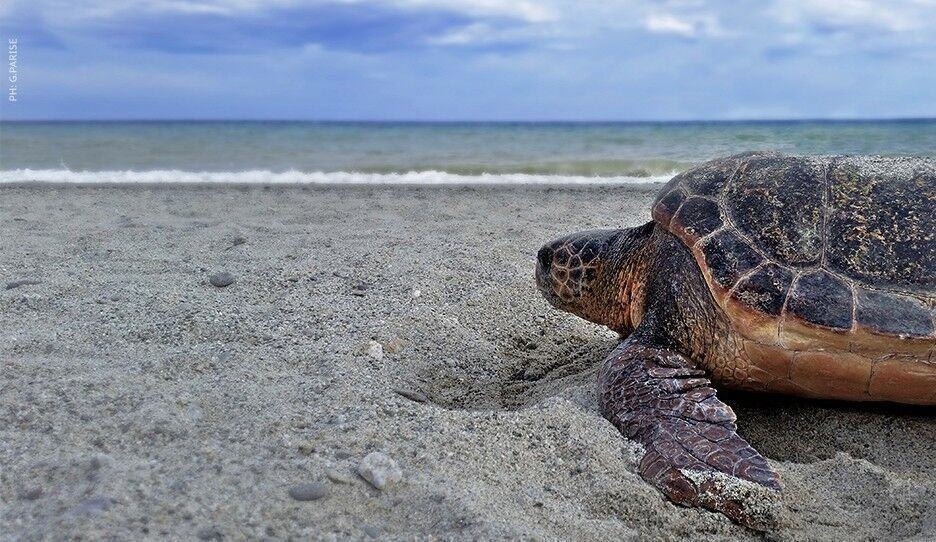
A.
x: 302, y: 177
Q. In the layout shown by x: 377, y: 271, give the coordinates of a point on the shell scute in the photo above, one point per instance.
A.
x: 823, y: 299
x: 698, y: 217
x: 666, y: 206
x: 710, y: 178
x: 707, y: 180
x: 776, y: 201
x: 765, y: 289
x: 894, y: 314
x: 728, y: 257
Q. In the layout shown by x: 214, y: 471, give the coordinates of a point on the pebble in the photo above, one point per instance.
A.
x: 375, y: 350
x: 412, y: 395
x: 100, y: 461
x: 93, y: 506
x: 339, y: 477
x: 99, y: 464
x: 221, y: 279
x: 311, y: 491
x: 380, y: 470
x: 31, y: 494
x: 416, y: 293
x: 209, y: 533
x: 395, y: 345
x: 372, y: 532
x: 22, y: 282
x: 360, y: 290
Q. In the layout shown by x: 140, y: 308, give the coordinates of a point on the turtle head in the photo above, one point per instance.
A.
x: 588, y: 274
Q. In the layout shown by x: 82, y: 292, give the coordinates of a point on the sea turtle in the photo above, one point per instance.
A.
x: 812, y: 276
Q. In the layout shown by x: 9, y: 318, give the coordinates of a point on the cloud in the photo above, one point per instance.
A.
x: 521, y: 10
x: 75, y: 13
x: 688, y: 27
x: 472, y: 35
x: 369, y: 26
x: 668, y: 24
x: 333, y: 26
x: 211, y: 26
x: 243, y: 26
x: 831, y: 15
x: 495, y: 37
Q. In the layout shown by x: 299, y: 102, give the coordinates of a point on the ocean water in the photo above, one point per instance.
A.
x: 425, y: 153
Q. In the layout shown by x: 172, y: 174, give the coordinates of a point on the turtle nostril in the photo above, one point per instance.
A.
x: 545, y: 259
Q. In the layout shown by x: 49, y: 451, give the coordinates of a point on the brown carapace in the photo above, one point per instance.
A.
x: 811, y: 276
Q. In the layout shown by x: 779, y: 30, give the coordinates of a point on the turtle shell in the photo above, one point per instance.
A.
x: 794, y: 249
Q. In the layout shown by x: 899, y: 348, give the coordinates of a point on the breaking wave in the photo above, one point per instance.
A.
x: 579, y: 168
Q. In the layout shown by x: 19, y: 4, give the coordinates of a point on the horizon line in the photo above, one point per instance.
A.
x: 485, y: 121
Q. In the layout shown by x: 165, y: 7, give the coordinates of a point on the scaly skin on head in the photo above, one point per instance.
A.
x: 596, y: 275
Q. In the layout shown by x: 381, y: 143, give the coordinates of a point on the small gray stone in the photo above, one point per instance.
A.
x: 412, y: 395
x: 100, y: 461
x: 209, y: 533
x: 22, y: 282
x: 371, y: 531
x: 379, y: 470
x: 395, y: 345
x: 221, y: 279
x: 93, y: 506
x: 374, y: 349
x: 31, y: 493
x: 339, y: 477
x: 312, y: 491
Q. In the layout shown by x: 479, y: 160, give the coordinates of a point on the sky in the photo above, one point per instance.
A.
x: 471, y: 59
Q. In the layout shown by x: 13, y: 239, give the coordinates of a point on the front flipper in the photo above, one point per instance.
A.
x: 693, y: 453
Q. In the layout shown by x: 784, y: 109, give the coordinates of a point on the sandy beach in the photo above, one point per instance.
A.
x: 140, y: 401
